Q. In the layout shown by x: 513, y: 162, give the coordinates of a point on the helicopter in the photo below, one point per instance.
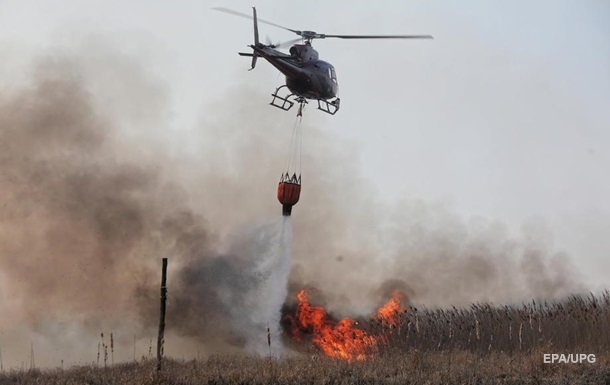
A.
x: 307, y: 77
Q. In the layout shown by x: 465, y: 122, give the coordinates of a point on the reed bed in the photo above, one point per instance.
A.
x: 481, y: 344
x: 415, y: 368
x: 578, y: 324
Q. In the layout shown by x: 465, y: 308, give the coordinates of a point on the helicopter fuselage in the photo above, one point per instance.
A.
x: 306, y: 75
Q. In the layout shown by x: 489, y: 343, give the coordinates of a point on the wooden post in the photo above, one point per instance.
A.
x: 162, y: 315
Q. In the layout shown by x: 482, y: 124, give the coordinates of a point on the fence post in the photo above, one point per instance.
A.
x: 160, y: 339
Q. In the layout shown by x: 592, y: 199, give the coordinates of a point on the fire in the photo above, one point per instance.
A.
x: 342, y: 339
x: 390, y: 312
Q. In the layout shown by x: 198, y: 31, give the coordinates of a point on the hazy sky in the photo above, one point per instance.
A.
x: 504, y: 115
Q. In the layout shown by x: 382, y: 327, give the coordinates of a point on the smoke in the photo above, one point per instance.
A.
x: 86, y: 214
x: 96, y: 188
x: 91, y: 200
x: 433, y: 256
x: 236, y: 298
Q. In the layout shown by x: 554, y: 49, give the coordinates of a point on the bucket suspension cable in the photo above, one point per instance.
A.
x: 299, y: 146
x: 289, y: 188
x: 293, y: 164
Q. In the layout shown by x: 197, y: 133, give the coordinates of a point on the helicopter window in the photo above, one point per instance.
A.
x: 332, y: 74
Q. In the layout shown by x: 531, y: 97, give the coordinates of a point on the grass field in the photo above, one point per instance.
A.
x: 416, y: 367
x: 481, y: 344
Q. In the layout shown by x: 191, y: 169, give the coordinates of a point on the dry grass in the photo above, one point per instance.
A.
x: 478, y: 345
x: 577, y: 324
x: 416, y: 367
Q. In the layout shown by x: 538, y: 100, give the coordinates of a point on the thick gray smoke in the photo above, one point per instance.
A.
x: 236, y: 297
x: 95, y: 190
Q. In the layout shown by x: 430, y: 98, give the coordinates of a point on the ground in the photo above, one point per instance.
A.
x: 415, y: 367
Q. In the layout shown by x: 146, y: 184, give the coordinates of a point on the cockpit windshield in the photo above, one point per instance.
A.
x: 332, y: 74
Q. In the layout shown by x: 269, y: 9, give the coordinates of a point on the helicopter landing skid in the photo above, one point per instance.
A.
x: 329, y: 107
x: 281, y: 102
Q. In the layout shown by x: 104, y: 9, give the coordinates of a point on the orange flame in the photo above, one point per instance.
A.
x: 342, y: 339
x: 390, y: 312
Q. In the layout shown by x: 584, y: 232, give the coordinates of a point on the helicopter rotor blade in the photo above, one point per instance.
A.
x: 310, y: 35
x: 379, y: 36
x: 284, y: 44
x: 235, y: 13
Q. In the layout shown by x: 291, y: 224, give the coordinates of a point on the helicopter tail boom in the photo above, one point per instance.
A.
x: 269, y: 56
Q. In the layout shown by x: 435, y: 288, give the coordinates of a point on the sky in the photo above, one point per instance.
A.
x: 504, y: 115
